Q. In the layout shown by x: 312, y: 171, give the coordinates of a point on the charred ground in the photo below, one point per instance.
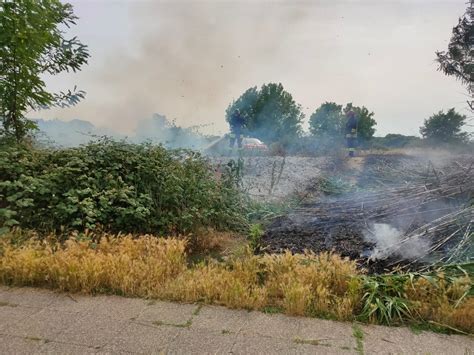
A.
x: 401, y: 211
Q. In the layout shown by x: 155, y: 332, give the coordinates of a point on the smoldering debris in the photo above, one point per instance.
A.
x: 420, y: 219
x: 387, y: 240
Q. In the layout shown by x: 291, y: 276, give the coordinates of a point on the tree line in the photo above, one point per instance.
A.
x: 33, y: 44
x: 272, y: 115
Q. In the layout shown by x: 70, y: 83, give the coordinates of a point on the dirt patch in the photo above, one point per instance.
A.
x: 276, y: 178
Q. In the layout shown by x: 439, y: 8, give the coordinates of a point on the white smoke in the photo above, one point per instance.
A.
x: 388, y: 240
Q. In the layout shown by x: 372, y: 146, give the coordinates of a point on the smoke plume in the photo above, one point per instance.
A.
x: 189, y: 61
x: 387, y: 242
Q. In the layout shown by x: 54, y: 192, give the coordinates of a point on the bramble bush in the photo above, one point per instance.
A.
x: 115, y: 186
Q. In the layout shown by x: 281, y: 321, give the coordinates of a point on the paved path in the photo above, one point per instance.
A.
x: 40, y: 321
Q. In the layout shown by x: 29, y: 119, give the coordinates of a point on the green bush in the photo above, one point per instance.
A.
x: 115, y: 186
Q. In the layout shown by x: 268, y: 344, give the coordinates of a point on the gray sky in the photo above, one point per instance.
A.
x: 189, y: 59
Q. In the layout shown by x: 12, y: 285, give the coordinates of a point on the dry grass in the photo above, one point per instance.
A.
x: 211, y: 241
x: 158, y: 268
x: 316, y: 285
x: 439, y: 301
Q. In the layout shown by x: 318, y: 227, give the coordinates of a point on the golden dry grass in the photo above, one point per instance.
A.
x: 316, y: 285
x: 438, y: 301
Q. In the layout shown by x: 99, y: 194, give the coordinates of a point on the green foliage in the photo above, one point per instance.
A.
x: 255, y: 233
x: 333, y: 185
x: 384, y: 300
x: 115, y: 186
x: 395, y: 141
x: 358, y: 334
x: 445, y: 127
x: 458, y: 60
x: 271, y: 114
x: 263, y: 212
x: 330, y: 120
x: 32, y: 44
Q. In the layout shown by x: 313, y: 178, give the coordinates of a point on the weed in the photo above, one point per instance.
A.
x: 176, y: 325
x: 272, y: 310
x: 262, y: 212
x: 225, y: 331
x: 311, y: 342
x: 384, y: 299
x: 276, y: 176
x: 416, y: 329
x: 255, y: 233
x: 358, y: 334
x: 33, y: 338
x: 7, y: 304
x: 197, y: 310
x: 333, y: 185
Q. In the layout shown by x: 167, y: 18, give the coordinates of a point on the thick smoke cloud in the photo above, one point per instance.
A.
x: 187, y: 60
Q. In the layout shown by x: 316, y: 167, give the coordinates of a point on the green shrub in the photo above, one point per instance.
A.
x: 116, y: 186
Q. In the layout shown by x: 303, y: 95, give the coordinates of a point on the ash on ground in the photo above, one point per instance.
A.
x: 403, y: 212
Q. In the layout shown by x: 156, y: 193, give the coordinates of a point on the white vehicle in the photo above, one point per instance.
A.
x: 253, y: 144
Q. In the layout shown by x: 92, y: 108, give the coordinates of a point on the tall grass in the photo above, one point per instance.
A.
x: 314, y: 285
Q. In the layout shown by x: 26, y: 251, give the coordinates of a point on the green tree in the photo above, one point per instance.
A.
x: 271, y: 113
x: 458, y: 60
x: 32, y: 44
x: 445, y: 127
x: 330, y: 119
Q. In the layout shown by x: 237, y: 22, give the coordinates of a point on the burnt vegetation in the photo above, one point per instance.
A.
x: 405, y: 213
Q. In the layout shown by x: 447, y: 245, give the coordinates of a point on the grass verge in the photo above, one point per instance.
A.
x: 324, y: 285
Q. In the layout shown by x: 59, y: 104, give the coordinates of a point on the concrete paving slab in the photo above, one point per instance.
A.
x: 30, y: 297
x: 93, y: 331
x: 108, y: 306
x: 45, y: 324
x: 18, y: 345
x: 74, y: 303
x: 10, y: 315
x: 274, y: 325
x: 322, y: 349
x: 384, y: 340
x: 116, y: 307
x: 138, y: 338
x: 67, y: 349
x: 5, y: 295
x: 220, y: 319
x: 336, y: 334
x: 189, y: 341
x: 245, y: 344
x: 167, y: 312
